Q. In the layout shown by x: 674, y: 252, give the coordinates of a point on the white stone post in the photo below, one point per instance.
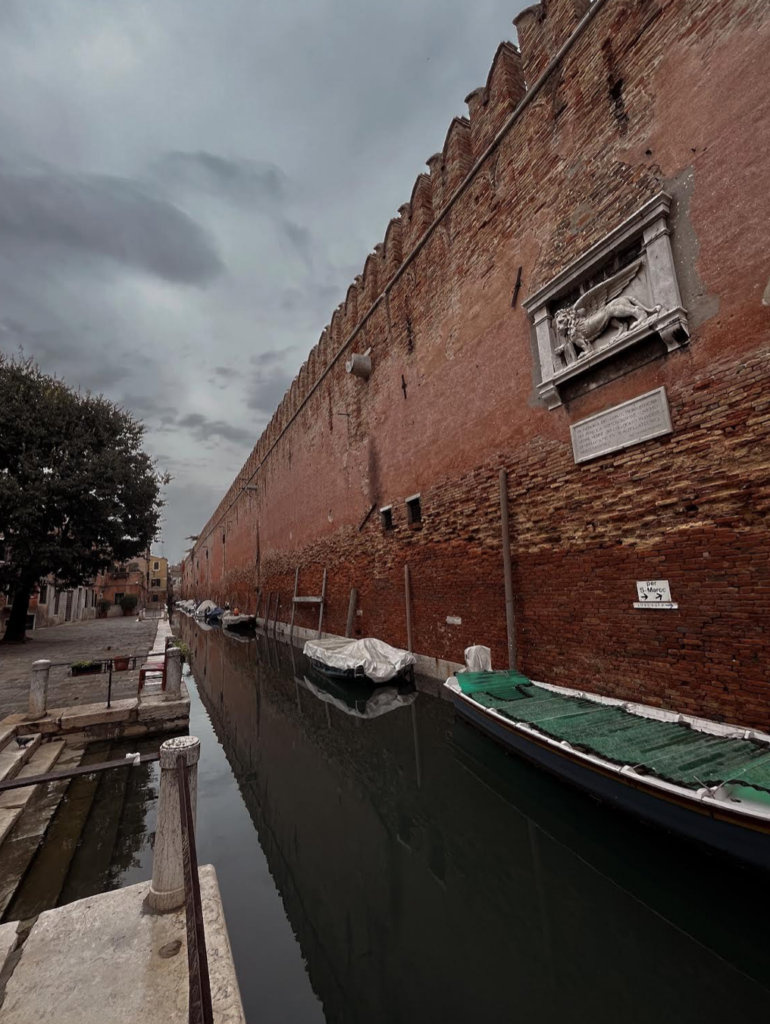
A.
x: 167, y: 886
x: 173, y: 674
x: 38, y: 688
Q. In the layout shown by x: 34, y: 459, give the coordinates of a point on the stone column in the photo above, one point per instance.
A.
x: 167, y: 886
x: 38, y: 689
x: 173, y: 673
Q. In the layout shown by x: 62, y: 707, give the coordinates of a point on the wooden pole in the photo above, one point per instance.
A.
x: 294, y: 604
x: 408, y: 602
x: 321, y: 612
x: 507, y: 569
x: 351, y: 611
x: 277, y: 609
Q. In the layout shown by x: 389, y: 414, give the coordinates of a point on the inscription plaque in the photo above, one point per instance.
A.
x: 639, y: 419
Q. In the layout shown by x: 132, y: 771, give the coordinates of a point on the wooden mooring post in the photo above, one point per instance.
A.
x: 321, y: 610
x: 294, y: 604
x: 509, y: 619
x: 408, y: 602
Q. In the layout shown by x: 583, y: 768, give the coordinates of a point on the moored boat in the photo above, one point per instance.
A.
x: 236, y: 621
x: 366, y: 659
x: 704, y: 780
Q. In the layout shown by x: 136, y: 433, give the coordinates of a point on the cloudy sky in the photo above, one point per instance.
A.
x: 187, y: 189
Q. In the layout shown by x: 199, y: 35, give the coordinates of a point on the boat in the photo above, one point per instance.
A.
x: 236, y: 621
x: 706, y: 781
x: 204, y: 608
x: 363, y: 659
x: 357, y: 700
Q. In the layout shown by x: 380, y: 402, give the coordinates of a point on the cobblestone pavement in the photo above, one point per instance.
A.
x: 75, y: 641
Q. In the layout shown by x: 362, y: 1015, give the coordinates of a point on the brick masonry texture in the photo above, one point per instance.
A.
x: 650, y: 96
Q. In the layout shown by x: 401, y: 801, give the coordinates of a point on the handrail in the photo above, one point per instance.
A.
x: 200, y: 1010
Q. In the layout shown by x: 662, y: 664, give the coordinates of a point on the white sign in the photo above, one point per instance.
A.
x: 654, y: 594
x: 639, y: 419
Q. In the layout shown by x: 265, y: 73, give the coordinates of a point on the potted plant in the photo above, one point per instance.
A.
x: 128, y: 603
x: 85, y: 668
x: 120, y: 663
x: 104, y: 606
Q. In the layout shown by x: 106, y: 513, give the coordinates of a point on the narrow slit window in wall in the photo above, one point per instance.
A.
x: 413, y: 510
x: 386, y: 517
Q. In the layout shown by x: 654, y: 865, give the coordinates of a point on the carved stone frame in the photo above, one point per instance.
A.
x: 648, y: 226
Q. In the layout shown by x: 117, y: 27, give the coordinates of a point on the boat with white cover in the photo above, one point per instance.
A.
x: 366, y: 658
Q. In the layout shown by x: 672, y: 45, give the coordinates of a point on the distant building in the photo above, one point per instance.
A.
x: 157, y: 580
x: 51, y: 605
x: 175, y: 580
x: 124, y: 578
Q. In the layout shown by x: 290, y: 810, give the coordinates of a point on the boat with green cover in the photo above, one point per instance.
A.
x: 708, y: 781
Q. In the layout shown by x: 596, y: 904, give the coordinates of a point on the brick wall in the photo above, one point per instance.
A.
x: 651, y: 96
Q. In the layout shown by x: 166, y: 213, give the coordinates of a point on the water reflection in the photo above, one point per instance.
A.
x: 429, y: 876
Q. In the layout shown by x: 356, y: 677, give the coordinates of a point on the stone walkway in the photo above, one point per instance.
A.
x: 75, y: 641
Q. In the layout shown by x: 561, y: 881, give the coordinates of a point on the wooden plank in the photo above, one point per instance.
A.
x: 351, y: 611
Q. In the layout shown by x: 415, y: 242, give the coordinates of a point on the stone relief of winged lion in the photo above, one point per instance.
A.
x: 602, y: 306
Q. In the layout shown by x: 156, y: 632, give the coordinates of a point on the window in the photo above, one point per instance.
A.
x: 413, y: 510
x: 43, y: 598
x: 155, y: 582
x: 155, y: 597
x: 386, y: 517
x: 118, y: 598
x: 156, y: 566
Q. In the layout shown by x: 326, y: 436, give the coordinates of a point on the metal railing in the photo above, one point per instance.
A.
x: 200, y: 1010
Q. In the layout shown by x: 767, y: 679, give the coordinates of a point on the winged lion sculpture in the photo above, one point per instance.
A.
x: 602, y: 306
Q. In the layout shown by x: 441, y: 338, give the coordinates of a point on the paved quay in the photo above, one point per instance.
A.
x: 75, y: 641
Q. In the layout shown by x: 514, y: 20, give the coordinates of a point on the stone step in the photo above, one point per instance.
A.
x: 32, y: 809
x: 13, y: 757
x: 7, y: 733
x: 13, y: 801
x: 39, y: 866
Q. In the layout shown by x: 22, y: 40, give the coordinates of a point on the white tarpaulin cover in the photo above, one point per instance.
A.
x: 379, y: 660
x: 478, y: 658
x: 204, y: 606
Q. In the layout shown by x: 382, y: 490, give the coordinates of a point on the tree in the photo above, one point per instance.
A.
x: 77, y: 492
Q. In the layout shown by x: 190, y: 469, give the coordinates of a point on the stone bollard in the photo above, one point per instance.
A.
x: 167, y: 886
x: 38, y: 689
x: 173, y: 674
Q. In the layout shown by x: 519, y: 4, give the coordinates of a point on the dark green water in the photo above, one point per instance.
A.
x: 405, y: 869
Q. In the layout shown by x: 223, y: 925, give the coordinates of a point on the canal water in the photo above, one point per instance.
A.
x: 381, y: 861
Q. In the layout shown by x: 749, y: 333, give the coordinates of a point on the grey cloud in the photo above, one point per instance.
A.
x: 267, y: 388
x: 240, y: 180
x: 225, y: 371
x: 205, y: 429
x: 105, y: 217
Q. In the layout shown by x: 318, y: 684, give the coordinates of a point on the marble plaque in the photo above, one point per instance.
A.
x: 629, y: 423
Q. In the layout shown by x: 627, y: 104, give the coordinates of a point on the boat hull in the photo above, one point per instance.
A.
x: 726, y: 832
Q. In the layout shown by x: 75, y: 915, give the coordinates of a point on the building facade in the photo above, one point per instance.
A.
x: 157, y: 587
x: 577, y: 294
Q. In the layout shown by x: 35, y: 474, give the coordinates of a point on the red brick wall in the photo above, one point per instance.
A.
x: 653, y: 96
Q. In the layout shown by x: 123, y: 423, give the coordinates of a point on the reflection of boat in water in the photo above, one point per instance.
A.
x: 359, y: 699
x: 368, y: 660
x: 707, y: 782
x: 629, y: 853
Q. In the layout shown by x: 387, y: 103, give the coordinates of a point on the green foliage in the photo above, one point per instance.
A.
x: 186, y: 652
x: 77, y: 492
x: 104, y: 606
x: 128, y: 602
x: 85, y: 664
